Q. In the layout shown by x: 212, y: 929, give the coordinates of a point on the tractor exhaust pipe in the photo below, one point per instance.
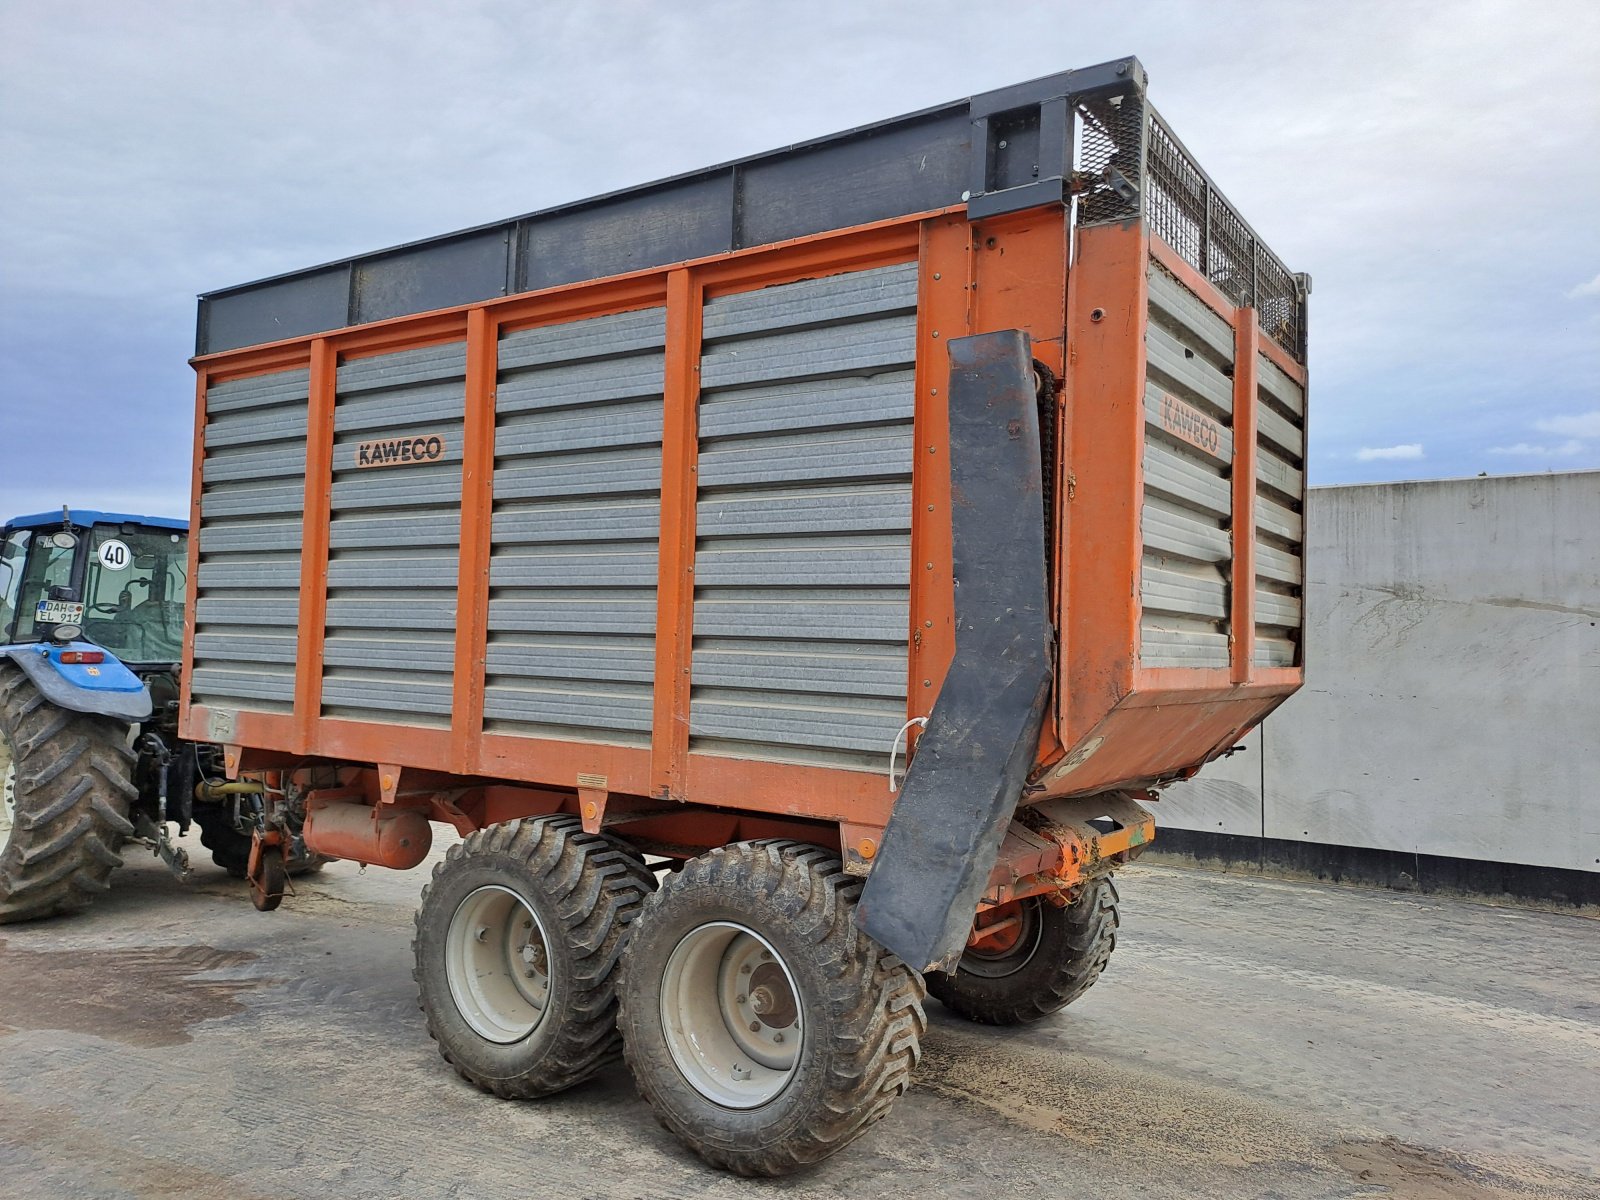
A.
x: 398, y: 838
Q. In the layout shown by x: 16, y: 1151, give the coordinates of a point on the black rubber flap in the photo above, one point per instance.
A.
x: 972, y: 759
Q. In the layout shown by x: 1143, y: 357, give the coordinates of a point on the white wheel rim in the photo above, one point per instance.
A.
x: 731, y: 1014
x: 497, y: 962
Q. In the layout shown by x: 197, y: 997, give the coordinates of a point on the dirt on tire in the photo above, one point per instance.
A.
x: 73, y: 780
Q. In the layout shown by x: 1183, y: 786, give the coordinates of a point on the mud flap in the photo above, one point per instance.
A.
x: 945, y: 830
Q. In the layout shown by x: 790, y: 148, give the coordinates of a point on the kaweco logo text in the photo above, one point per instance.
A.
x: 399, y: 452
x: 1191, y: 425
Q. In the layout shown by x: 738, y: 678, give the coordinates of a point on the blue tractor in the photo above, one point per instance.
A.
x: 91, y: 638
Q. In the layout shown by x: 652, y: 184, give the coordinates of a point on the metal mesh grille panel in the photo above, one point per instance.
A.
x: 1187, y: 212
x: 803, y: 563
x: 394, y: 537
x: 1110, y: 149
x: 577, y: 486
x: 251, y: 494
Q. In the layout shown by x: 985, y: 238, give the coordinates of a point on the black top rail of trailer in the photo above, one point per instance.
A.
x: 1087, y: 134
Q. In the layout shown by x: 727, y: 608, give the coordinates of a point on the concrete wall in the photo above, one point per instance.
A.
x: 1452, y: 702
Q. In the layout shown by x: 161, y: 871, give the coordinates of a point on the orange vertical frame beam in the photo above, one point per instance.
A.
x: 201, y: 382
x: 1242, y: 610
x: 1107, y: 311
x: 944, y: 311
x: 315, y: 515
x: 680, y: 449
x: 477, y: 517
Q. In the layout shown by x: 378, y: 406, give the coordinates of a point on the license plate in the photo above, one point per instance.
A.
x: 58, y: 612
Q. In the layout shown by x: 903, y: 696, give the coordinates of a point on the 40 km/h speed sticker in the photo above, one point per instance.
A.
x: 114, y: 555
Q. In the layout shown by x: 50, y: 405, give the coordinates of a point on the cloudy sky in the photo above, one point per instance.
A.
x: 1434, y: 165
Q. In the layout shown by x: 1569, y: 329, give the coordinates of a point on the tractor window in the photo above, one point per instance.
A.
x: 134, y: 593
x: 12, y: 553
x: 48, y: 566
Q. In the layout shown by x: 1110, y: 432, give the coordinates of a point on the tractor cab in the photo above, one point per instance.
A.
x: 110, y: 579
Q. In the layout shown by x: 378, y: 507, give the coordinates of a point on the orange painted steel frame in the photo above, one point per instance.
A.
x: 1126, y: 723
x: 1008, y: 272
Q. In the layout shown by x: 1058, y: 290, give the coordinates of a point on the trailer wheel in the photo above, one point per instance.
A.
x: 763, y: 1027
x: 517, y: 941
x: 69, y: 783
x: 1053, y: 956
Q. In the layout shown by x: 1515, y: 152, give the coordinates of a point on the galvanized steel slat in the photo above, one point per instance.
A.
x: 405, y: 530
x: 556, y: 523
x: 249, y: 537
x: 1274, y: 518
x: 592, y: 614
x: 582, y: 567
x: 867, y: 347
x: 383, y: 653
x: 833, y: 298
x: 1181, y: 476
x: 382, y: 569
x: 606, y: 337
x: 1275, y: 609
x: 254, y: 573
x: 837, y: 455
x: 285, y: 423
x: 257, y: 683
x: 1190, y: 376
x: 615, y: 710
x: 217, y: 643
x: 635, y: 423
x: 784, y: 720
x: 853, y: 671
x: 1163, y: 643
x: 1289, y: 438
x: 400, y: 610
x: 625, y: 659
x: 1174, y: 304
x: 571, y: 385
x: 1176, y: 531
x: 852, y: 509
x: 253, y: 610
x: 234, y: 501
x: 402, y: 368
x: 602, y: 473
x: 1271, y: 380
x: 259, y: 391
x: 1272, y: 563
x: 393, y: 694
x: 844, y: 562
x: 374, y: 412
x: 1187, y: 591
x: 812, y: 405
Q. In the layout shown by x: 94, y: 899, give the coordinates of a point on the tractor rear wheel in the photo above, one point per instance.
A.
x: 517, y: 942
x: 68, y: 786
x: 1045, y: 961
x: 763, y: 1027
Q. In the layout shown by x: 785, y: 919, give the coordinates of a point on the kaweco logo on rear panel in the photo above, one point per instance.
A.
x: 1189, y: 423
x: 401, y: 452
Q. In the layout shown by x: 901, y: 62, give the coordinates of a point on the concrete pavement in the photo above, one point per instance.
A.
x: 1252, y: 1038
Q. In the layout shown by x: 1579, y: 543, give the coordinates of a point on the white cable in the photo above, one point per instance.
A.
x: 894, y: 748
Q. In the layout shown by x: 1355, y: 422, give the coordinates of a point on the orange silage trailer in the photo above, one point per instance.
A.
x: 647, y: 539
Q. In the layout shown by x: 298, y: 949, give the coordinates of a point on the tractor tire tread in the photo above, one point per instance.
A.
x: 74, y: 784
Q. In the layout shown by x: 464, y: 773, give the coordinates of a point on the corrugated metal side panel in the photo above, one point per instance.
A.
x: 251, y: 493
x: 394, y: 538
x: 1188, y: 499
x: 577, y: 489
x: 1280, y: 500
x: 802, y: 569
